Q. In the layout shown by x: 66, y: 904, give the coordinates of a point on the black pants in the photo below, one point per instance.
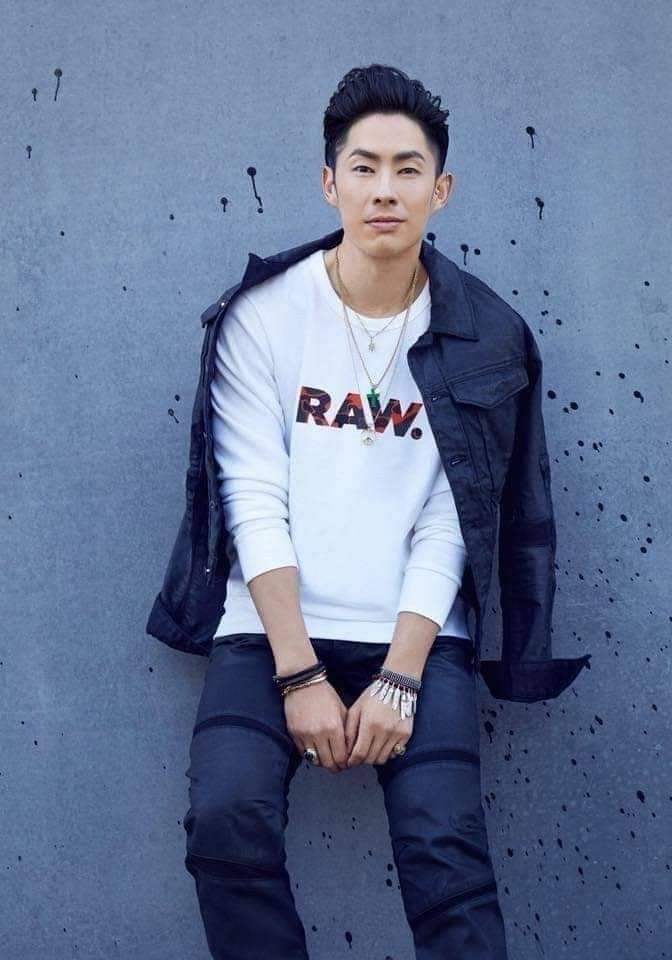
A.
x: 242, y: 760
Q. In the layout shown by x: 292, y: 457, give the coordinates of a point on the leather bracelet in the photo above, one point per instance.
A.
x: 305, y: 683
x: 281, y: 679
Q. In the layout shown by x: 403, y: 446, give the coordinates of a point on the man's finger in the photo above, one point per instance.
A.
x: 385, y: 751
x: 377, y: 744
x: 326, y: 756
x: 339, y: 750
x: 361, y: 746
x: 351, y: 727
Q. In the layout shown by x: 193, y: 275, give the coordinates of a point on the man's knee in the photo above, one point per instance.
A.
x: 238, y: 796
x: 438, y: 831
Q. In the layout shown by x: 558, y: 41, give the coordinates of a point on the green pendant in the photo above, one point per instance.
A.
x: 373, y: 397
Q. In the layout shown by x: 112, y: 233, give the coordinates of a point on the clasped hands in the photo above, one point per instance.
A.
x: 367, y: 732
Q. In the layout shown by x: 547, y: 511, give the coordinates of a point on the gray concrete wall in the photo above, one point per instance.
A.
x: 115, y: 235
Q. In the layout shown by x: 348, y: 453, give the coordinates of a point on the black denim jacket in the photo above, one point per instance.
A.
x: 479, y: 372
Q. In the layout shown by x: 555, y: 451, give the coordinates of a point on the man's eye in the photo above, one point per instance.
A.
x: 363, y: 167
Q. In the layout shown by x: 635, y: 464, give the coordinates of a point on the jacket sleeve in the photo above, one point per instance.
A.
x: 249, y: 443
x: 433, y: 572
x: 527, y: 545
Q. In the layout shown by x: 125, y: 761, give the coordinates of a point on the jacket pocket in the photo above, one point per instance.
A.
x: 489, y: 386
x: 487, y: 402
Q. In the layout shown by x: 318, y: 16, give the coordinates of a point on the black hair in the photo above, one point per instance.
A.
x: 379, y: 88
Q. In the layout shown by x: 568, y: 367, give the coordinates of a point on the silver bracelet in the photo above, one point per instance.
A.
x: 397, y: 689
x: 403, y: 678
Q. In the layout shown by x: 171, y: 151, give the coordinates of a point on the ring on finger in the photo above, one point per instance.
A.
x: 311, y: 755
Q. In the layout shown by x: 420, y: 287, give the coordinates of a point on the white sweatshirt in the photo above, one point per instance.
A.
x: 373, y: 529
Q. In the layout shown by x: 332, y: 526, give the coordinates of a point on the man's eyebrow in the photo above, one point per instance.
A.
x: 403, y: 155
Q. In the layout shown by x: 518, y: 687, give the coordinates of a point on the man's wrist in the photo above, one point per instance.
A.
x: 294, y: 655
x: 412, y: 640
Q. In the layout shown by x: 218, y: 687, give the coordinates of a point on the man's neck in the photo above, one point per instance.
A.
x: 375, y: 287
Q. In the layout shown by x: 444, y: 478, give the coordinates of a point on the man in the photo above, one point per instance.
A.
x: 364, y: 418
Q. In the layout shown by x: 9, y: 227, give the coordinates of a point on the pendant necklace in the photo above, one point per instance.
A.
x: 373, y: 396
x: 371, y: 337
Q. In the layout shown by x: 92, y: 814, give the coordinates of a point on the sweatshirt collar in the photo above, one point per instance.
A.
x: 451, y: 309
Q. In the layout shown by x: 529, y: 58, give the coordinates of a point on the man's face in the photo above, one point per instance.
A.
x: 365, y: 187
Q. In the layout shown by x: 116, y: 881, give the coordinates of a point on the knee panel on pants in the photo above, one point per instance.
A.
x: 238, y: 792
x: 438, y: 830
x: 479, y: 892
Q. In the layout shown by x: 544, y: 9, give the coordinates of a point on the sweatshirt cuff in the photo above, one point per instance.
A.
x: 262, y: 550
x: 428, y: 593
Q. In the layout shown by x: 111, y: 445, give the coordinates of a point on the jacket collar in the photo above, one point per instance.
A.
x: 451, y: 310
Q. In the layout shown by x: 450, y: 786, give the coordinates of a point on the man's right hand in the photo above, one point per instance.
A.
x: 315, y: 718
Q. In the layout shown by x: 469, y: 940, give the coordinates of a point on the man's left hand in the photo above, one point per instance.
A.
x: 372, y: 729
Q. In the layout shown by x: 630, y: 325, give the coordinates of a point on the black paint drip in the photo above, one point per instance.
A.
x: 531, y: 132
x: 224, y: 203
x: 252, y: 172
x: 540, y: 204
x: 464, y: 247
x: 58, y: 73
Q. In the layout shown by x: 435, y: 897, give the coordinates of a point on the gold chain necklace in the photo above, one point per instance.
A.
x: 371, y: 337
x: 373, y: 396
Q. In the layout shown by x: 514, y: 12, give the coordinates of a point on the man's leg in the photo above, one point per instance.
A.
x: 436, y: 818
x: 242, y: 760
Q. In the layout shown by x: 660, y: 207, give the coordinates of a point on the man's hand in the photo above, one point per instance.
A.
x: 315, y: 718
x: 372, y: 729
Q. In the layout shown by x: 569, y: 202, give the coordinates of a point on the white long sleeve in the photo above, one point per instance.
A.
x: 249, y: 445
x: 372, y: 529
x: 433, y: 573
